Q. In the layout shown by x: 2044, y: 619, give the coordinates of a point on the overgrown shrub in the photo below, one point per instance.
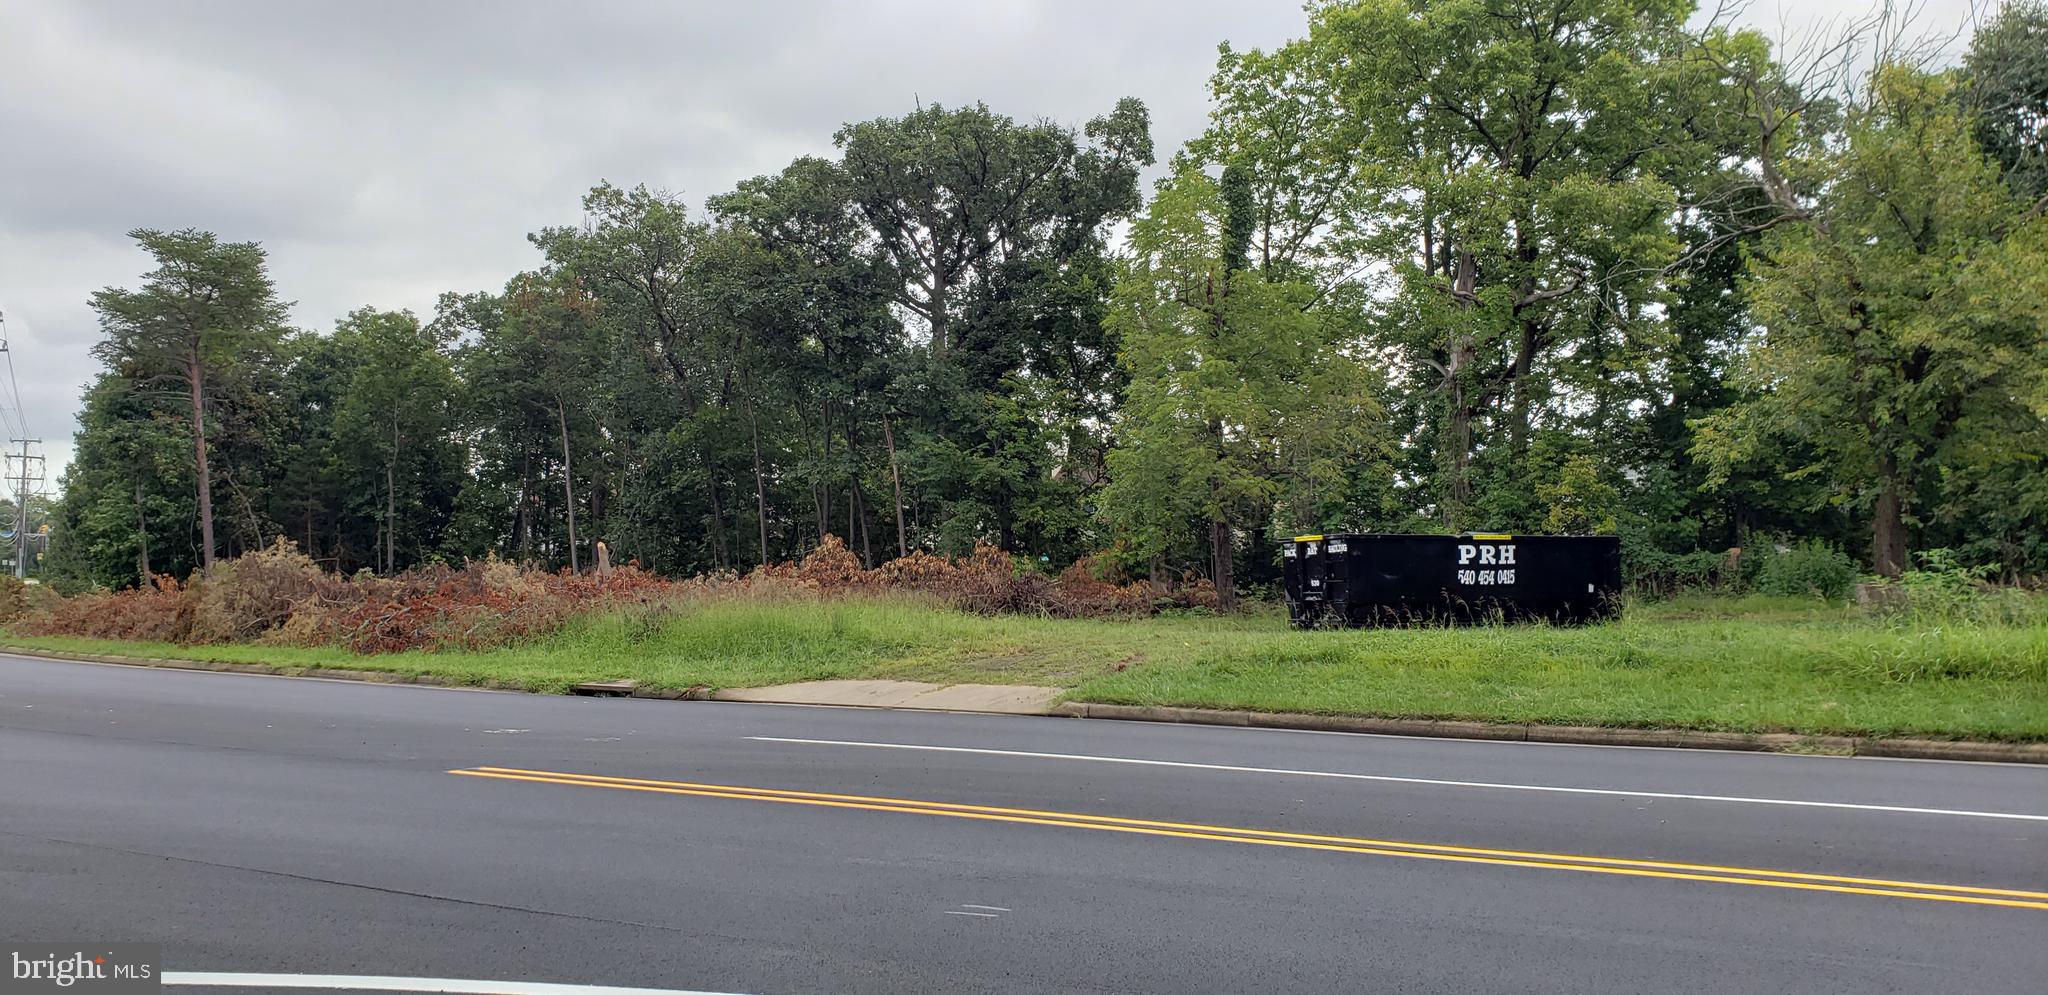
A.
x: 1944, y: 591
x: 256, y: 592
x: 1811, y: 568
x: 1649, y: 570
x: 1097, y: 588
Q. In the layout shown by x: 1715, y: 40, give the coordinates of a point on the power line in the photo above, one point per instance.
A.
x: 22, y: 492
x: 20, y: 412
x: 18, y: 424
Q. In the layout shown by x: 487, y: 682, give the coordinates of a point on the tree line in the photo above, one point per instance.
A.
x: 1561, y: 266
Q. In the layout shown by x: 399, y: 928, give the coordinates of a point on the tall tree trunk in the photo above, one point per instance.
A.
x: 1219, y: 527
x: 1220, y: 572
x: 391, y: 504
x: 896, y: 484
x: 195, y: 378
x: 719, y: 553
x: 1463, y: 353
x: 939, y: 321
x: 1888, y: 522
x: 1460, y: 445
x: 1521, y: 383
x: 1531, y: 333
x: 859, y: 507
x: 860, y: 514
x: 568, y: 478
x: 141, y: 533
x: 1262, y: 565
x: 597, y: 490
x: 852, y: 520
x: 821, y: 490
x: 760, y: 479
x: 596, y: 519
x: 1220, y: 563
x: 524, y: 528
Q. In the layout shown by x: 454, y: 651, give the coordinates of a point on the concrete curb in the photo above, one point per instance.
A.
x: 325, y: 673
x: 1769, y: 742
x: 1906, y: 749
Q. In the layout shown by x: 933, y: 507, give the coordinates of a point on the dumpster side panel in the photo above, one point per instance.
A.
x: 1400, y: 579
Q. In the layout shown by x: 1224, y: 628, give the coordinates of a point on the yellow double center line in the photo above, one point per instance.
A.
x: 1759, y: 877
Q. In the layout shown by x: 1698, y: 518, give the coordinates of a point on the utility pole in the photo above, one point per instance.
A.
x: 25, y: 485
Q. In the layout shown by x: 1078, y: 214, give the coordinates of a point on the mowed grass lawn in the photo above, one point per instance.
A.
x: 1751, y: 664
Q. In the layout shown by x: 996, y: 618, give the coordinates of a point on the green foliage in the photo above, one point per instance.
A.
x: 1518, y: 167
x: 207, y: 303
x: 1809, y: 568
x: 396, y: 414
x: 128, y: 495
x: 205, y: 317
x: 2006, y: 88
x: 1558, y: 266
x: 1578, y: 498
x: 1896, y: 352
x: 1943, y: 590
x: 1648, y: 569
x: 1244, y: 403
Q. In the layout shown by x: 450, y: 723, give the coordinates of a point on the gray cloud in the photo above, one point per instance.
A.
x: 387, y: 151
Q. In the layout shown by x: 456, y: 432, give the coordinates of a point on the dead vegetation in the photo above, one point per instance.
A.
x: 279, y: 596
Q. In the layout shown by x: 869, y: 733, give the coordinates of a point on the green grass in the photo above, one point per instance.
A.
x: 1750, y: 664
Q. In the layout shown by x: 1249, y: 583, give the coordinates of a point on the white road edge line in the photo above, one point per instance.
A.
x: 982, y: 915
x: 1559, y: 789
x: 991, y: 908
x: 381, y: 983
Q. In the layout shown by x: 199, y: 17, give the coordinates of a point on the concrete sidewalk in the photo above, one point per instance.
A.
x: 1009, y: 699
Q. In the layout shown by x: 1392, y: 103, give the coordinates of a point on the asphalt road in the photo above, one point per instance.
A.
x: 286, y: 826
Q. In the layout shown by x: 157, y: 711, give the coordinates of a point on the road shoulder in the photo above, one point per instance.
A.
x: 1022, y: 700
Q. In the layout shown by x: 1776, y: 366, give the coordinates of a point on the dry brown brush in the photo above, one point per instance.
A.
x: 277, y: 595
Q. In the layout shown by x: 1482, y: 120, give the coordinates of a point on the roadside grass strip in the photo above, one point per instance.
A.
x: 1711, y: 873
x: 1744, y: 665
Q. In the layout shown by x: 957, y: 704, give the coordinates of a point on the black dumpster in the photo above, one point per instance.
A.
x: 1354, y: 579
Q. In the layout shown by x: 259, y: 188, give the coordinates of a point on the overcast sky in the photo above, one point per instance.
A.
x: 384, y: 152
